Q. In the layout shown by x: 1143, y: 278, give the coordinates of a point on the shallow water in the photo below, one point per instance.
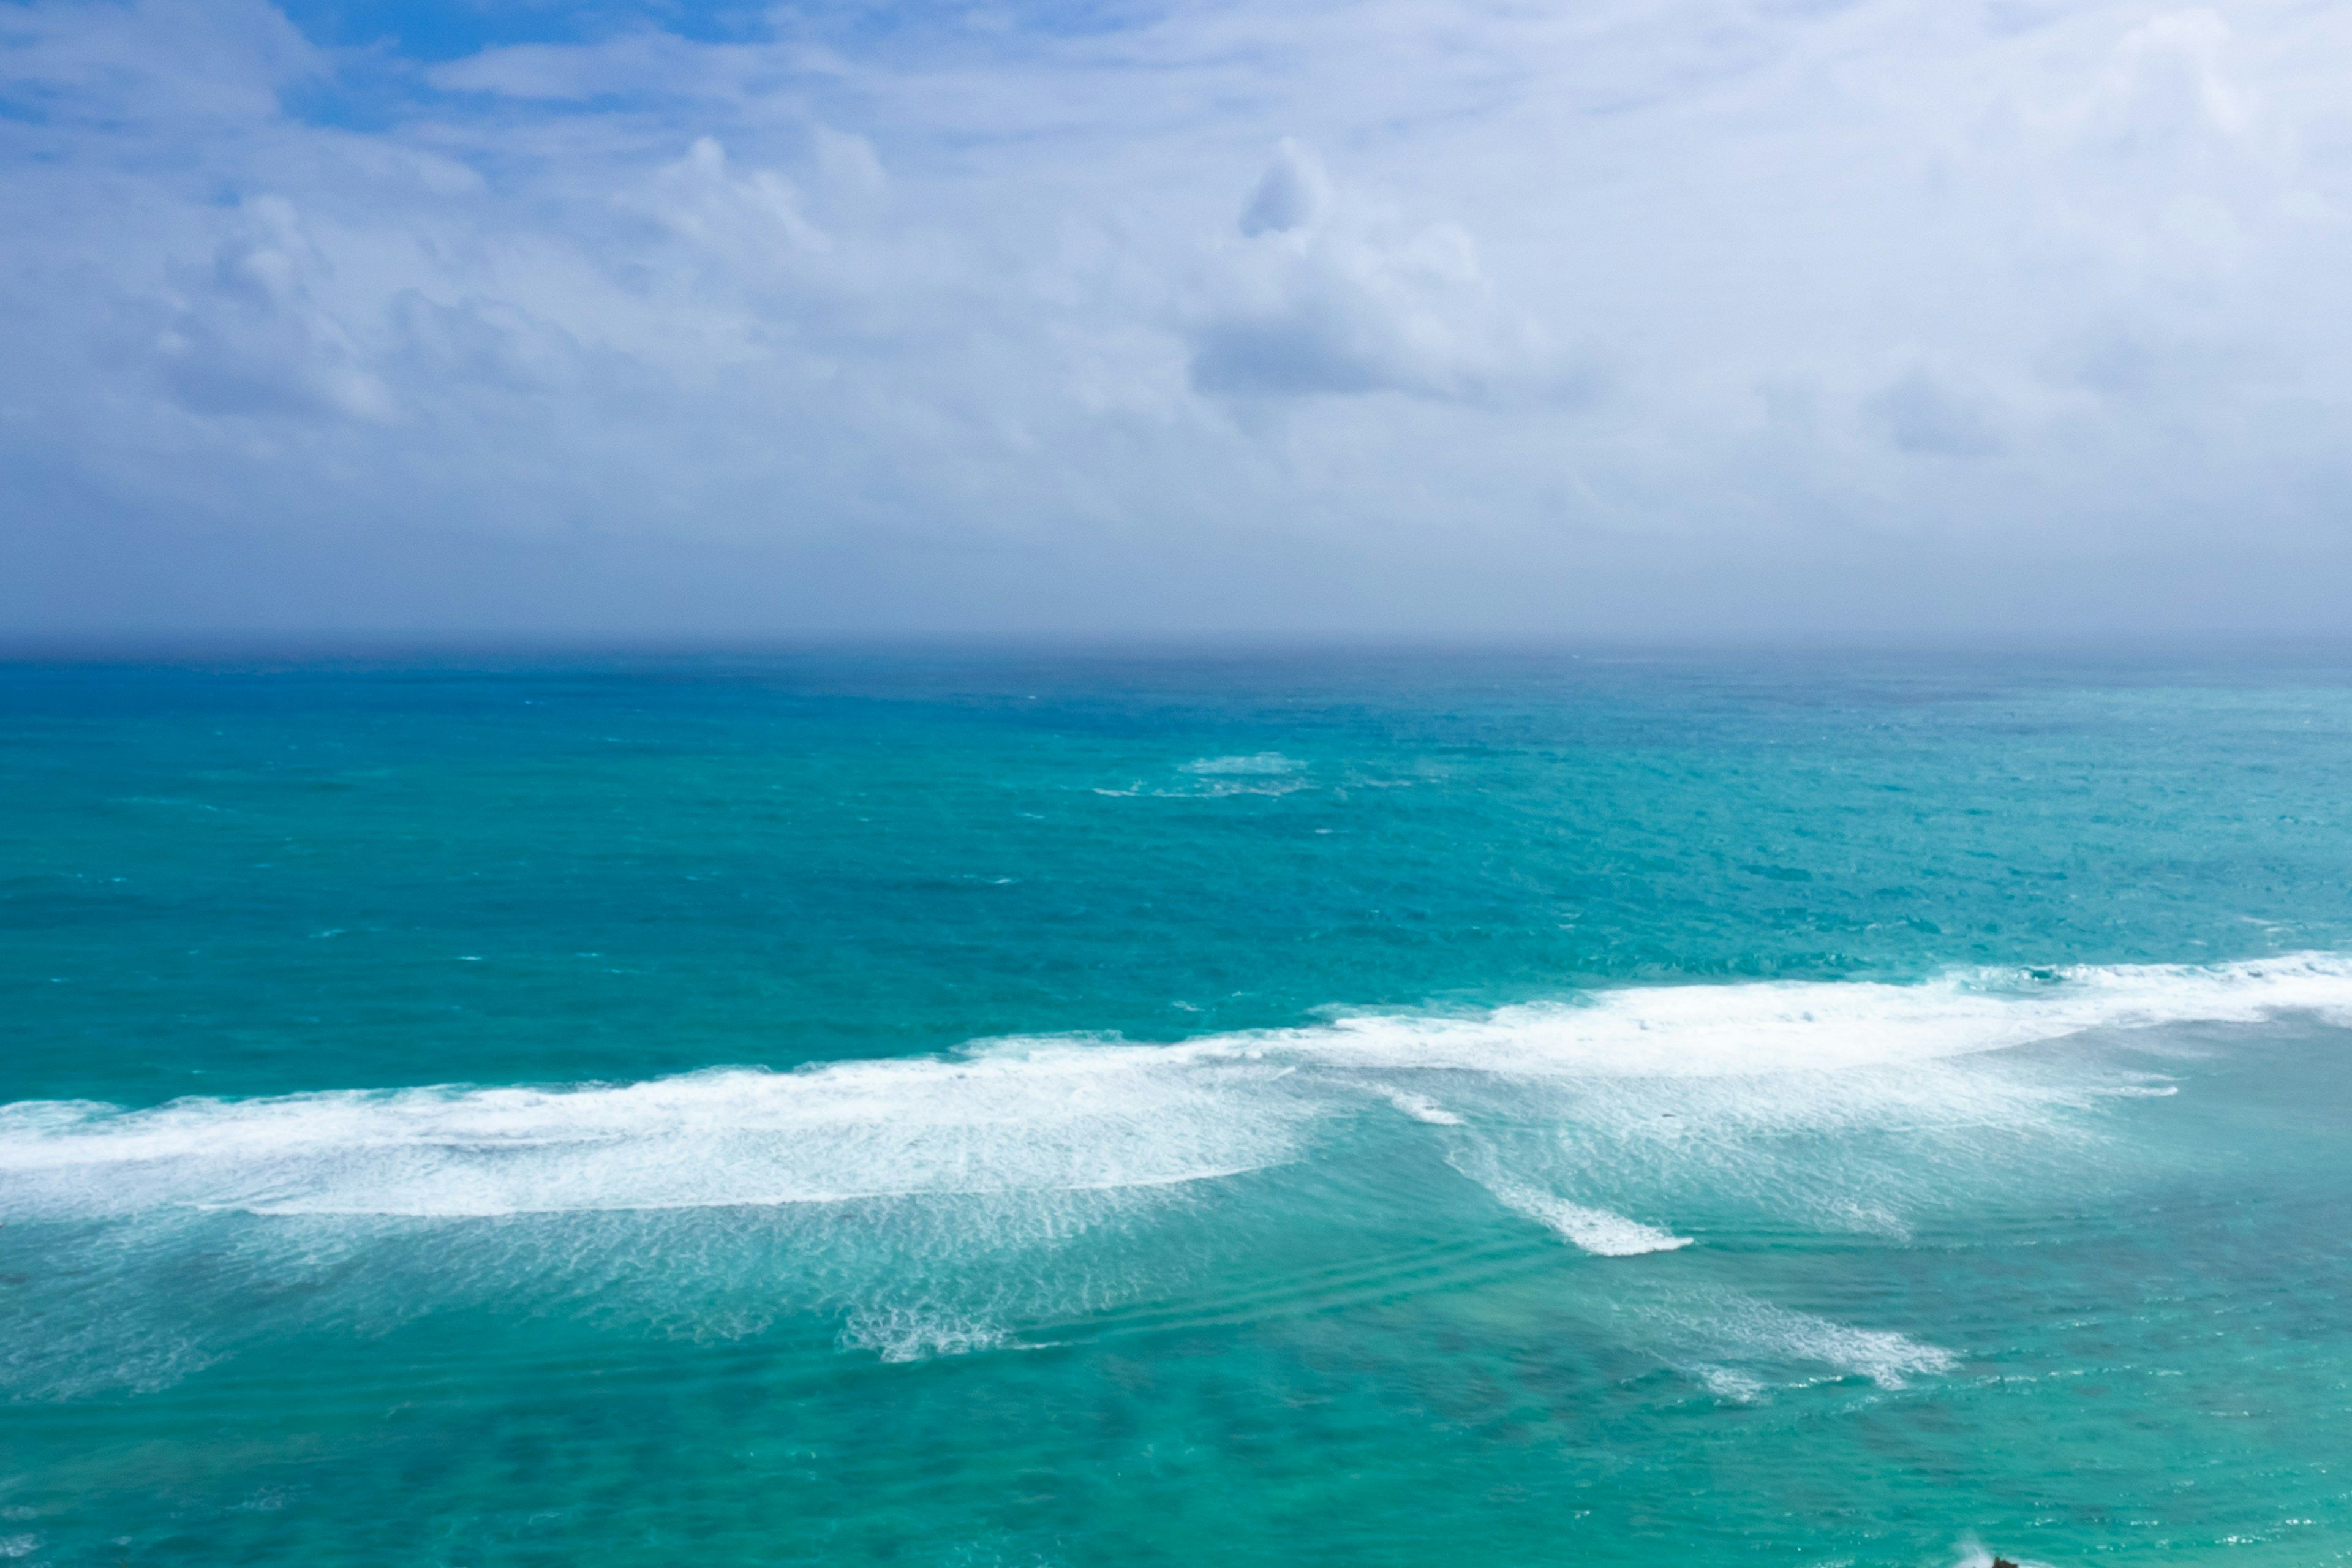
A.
x: 1413, y: 1109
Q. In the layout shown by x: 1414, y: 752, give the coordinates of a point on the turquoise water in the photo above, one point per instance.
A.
x: 996, y: 1109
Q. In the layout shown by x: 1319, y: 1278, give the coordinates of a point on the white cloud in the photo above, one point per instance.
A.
x: 1320, y: 295
x: 249, y: 336
x: 165, y: 66
x: 1316, y: 294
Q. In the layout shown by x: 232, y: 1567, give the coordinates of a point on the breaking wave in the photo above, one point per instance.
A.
x: 1063, y: 1115
x: 935, y: 1205
x: 1597, y: 1231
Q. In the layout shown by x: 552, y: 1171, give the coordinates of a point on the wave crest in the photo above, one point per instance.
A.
x: 1066, y: 1115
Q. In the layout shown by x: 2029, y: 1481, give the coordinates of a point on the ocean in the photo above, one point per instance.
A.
x: 1011, y: 1108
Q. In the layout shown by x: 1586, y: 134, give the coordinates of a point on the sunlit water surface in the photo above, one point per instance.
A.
x: 1404, y: 1109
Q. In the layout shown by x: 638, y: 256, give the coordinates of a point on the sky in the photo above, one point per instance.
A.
x: 1295, y: 318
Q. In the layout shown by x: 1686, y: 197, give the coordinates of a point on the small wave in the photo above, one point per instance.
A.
x: 1864, y: 1219
x: 908, y: 1334
x: 1267, y: 772
x: 1974, y: 1556
x: 1724, y: 1383
x: 1759, y: 1330
x: 1420, y: 1107
x: 1259, y: 764
x: 1597, y: 1231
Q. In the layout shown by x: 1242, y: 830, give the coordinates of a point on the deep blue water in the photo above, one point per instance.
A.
x: 1018, y: 1109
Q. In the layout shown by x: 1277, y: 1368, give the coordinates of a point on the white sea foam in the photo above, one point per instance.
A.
x: 1069, y: 1119
x: 1974, y: 1556
x: 1724, y: 1383
x: 1823, y: 1025
x: 1264, y: 772
x: 1864, y: 1219
x: 1639, y: 1069
x: 1420, y: 1107
x: 1886, y: 1358
x: 1259, y: 764
x: 930, y: 1206
x: 1597, y: 1231
x: 913, y: 1333
x: 1739, y: 1329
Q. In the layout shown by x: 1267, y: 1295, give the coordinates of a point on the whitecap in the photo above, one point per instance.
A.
x: 1974, y: 1556
x: 1845, y: 1106
x: 1257, y: 765
x: 1726, y: 1382
x: 1758, y: 1331
x: 1420, y: 1107
x: 1597, y: 1231
x: 1099, y: 1117
x: 1065, y: 1114
x: 919, y: 1333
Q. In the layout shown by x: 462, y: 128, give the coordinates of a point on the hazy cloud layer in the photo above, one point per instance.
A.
x: 1355, y: 315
